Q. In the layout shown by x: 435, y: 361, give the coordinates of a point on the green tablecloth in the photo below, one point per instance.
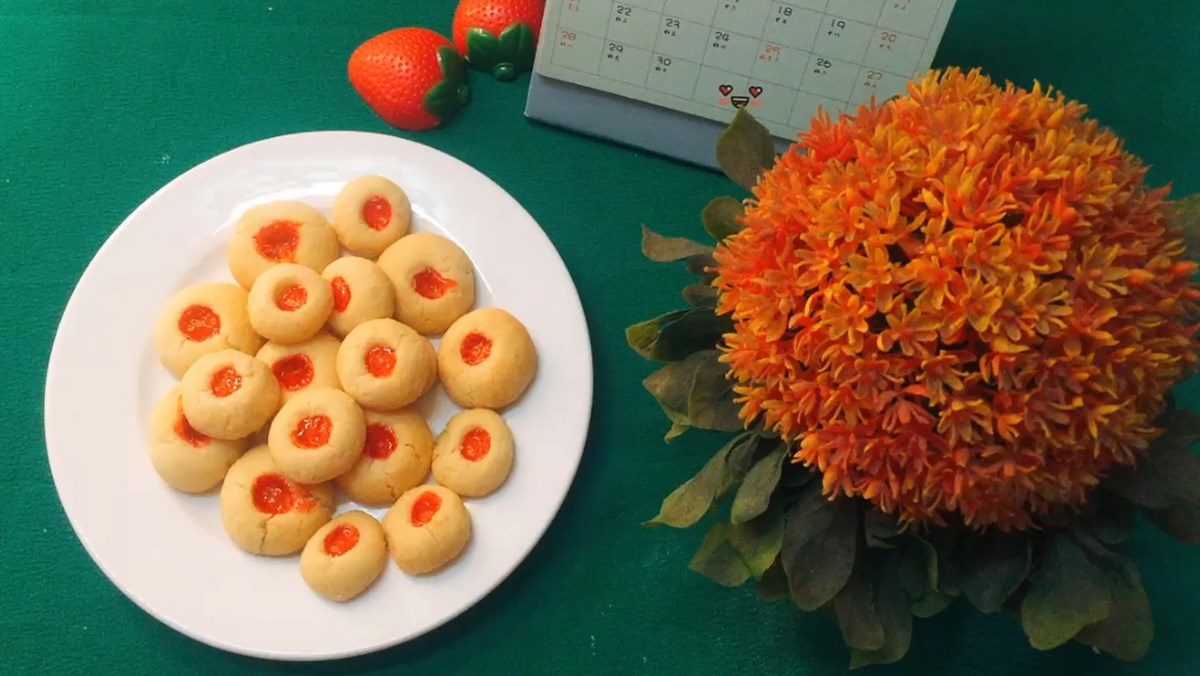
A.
x: 103, y: 101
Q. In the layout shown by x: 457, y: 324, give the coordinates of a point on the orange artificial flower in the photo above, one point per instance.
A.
x: 962, y: 301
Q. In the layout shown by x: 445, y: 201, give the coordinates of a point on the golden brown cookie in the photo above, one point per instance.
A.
x: 229, y: 394
x: 264, y: 512
x: 186, y: 459
x: 369, y: 214
x: 345, y: 556
x: 385, y: 365
x: 279, y: 232
x: 426, y: 529
x: 308, y: 365
x: 200, y: 320
x: 433, y: 279
x: 474, y: 454
x: 361, y: 292
x: 395, y: 457
x: 487, y: 359
x: 317, y: 435
x: 289, y: 303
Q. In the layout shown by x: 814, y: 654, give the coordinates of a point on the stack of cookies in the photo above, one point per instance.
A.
x: 312, y: 361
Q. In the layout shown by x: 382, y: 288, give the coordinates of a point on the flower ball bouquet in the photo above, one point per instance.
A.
x: 944, y: 329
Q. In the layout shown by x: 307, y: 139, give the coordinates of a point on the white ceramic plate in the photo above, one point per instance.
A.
x: 166, y: 550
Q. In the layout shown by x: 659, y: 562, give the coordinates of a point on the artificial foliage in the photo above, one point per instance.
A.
x: 944, y: 330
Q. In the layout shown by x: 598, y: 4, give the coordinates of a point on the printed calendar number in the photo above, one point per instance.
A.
x: 625, y: 63
x: 731, y: 52
x: 792, y: 26
x: 780, y: 65
x: 829, y: 77
x: 843, y: 39
x: 894, y: 51
x: 632, y: 25
x: 672, y: 76
x: 879, y: 84
x: 914, y: 17
x: 585, y: 16
x: 682, y: 39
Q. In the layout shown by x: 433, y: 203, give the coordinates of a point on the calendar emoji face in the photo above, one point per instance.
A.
x: 779, y: 59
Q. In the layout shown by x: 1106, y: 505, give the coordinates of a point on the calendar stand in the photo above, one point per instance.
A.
x: 668, y: 75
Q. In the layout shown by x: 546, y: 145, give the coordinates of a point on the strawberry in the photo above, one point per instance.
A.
x: 411, y: 77
x: 498, y: 36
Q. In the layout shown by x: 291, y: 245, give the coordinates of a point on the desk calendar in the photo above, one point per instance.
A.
x: 702, y: 59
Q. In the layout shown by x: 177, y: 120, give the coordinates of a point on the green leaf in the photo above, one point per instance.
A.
x: 1112, y: 522
x: 1186, y: 217
x: 744, y: 149
x: 1181, y: 522
x: 894, y: 613
x: 741, y: 458
x: 702, y: 265
x: 675, y: 335
x: 691, y: 501
x: 483, y: 49
x: 773, y: 585
x: 700, y: 295
x: 710, y: 403
x: 820, y: 539
x: 672, y: 386
x: 993, y: 565
x: 855, y: 609
x: 1129, y: 628
x: 445, y: 98
x: 919, y: 576
x: 758, y: 541
x: 722, y: 216
x: 662, y: 249
x: 754, y: 495
x: 718, y: 560
x: 1169, y: 474
x: 1067, y: 593
x: 518, y: 45
x: 882, y: 530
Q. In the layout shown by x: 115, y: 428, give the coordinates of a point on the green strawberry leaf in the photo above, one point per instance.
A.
x: 892, y: 606
x: 820, y: 538
x: 662, y: 249
x: 710, y: 404
x: 744, y: 149
x: 718, y: 560
x: 854, y: 606
x: 518, y: 45
x: 1067, y: 593
x: 754, y: 495
x: 721, y: 217
x: 483, y: 49
x: 691, y: 501
x: 758, y: 541
x: 445, y: 98
x: 993, y: 566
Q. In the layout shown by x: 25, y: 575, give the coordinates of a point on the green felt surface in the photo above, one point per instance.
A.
x: 104, y: 101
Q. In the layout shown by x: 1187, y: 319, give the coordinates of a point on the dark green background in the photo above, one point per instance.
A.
x: 104, y: 101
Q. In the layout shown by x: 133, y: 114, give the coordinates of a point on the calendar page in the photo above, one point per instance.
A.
x: 780, y: 60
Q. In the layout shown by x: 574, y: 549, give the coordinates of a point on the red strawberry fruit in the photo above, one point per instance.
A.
x: 498, y: 36
x: 411, y: 77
